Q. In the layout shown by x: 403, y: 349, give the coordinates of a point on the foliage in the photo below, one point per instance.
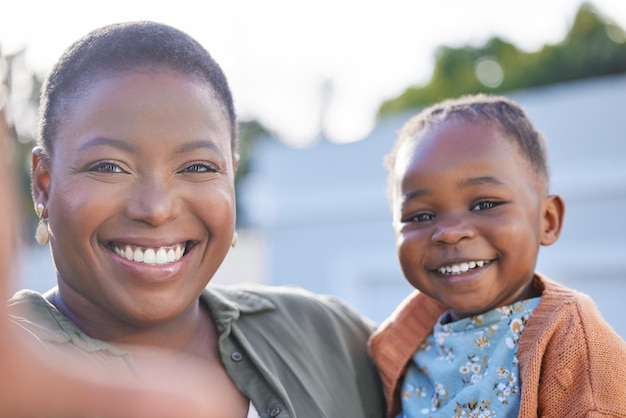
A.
x: 594, y: 46
x: 19, y: 100
x: 249, y: 133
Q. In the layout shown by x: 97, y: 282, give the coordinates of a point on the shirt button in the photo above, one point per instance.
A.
x: 275, y: 412
x: 236, y: 356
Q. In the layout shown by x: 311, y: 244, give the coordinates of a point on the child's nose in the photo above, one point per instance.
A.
x: 451, y: 230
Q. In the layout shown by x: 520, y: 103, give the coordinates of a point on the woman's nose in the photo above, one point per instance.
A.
x: 451, y: 230
x: 154, y: 202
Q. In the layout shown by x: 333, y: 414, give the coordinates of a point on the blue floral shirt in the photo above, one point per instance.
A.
x: 468, y: 368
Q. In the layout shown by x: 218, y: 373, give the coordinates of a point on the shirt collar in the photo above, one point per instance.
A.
x: 228, y: 303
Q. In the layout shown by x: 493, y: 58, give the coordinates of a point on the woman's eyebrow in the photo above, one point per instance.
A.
x: 194, y: 145
x: 110, y: 142
x: 128, y: 147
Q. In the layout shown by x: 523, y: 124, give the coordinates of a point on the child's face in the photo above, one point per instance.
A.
x: 469, y: 217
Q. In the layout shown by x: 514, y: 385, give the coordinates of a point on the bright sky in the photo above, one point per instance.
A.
x: 277, y: 53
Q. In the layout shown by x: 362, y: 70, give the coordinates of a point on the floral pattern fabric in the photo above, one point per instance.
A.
x: 468, y: 368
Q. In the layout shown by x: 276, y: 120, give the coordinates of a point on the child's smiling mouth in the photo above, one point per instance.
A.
x: 151, y: 255
x: 464, y: 267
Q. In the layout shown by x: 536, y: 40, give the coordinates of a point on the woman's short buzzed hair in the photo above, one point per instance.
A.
x: 125, y: 47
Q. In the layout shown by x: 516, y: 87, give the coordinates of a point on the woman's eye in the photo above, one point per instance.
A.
x: 106, y: 167
x: 487, y: 204
x: 199, y: 168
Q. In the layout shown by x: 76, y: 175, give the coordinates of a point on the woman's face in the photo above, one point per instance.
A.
x: 139, y: 192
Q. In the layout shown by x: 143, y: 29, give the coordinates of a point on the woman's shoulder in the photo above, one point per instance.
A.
x: 31, y: 313
x: 25, y: 296
x: 40, y: 320
x: 31, y: 309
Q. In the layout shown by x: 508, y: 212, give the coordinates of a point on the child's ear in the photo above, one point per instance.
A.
x: 40, y: 175
x: 553, y: 212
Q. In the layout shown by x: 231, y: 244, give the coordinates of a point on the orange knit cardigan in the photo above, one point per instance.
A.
x: 572, y: 363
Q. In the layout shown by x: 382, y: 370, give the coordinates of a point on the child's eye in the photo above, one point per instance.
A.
x: 199, y: 168
x: 420, y: 217
x: 485, y: 205
x: 106, y: 167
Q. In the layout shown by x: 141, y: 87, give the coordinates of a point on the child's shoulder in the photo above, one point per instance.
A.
x: 568, y: 315
x: 558, y: 299
x: 566, y: 335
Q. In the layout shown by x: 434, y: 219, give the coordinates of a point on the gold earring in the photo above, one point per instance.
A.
x: 233, y: 244
x: 42, y: 233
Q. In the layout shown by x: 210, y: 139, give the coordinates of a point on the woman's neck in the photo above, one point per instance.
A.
x: 191, y: 333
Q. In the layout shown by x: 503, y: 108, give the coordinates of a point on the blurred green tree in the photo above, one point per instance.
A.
x: 19, y: 102
x: 594, y: 46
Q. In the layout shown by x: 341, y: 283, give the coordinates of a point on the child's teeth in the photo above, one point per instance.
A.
x: 461, y: 268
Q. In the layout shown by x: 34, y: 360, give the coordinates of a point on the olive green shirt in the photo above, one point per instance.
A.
x: 291, y: 352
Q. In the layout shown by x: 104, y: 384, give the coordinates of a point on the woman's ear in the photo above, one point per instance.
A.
x: 40, y: 176
x: 553, y: 212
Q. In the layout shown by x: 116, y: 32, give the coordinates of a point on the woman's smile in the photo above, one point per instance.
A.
x: 151, y: 255
x: 151, y: 264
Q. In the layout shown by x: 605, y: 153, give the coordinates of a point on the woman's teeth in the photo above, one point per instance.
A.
x: 461, y: 267
x: 154, y: 256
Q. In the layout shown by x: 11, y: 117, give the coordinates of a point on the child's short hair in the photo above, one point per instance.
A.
x: 122, y: 47
x: 481, y: 108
